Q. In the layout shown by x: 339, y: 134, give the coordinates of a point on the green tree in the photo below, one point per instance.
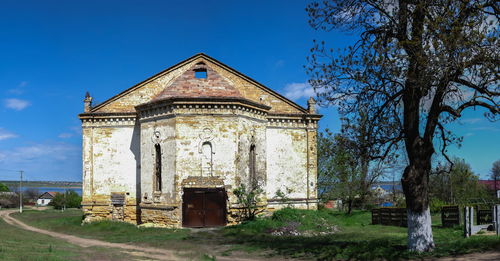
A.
x: 69, y: 199
x: 458, y: 185
x: 343, y: 170
x: 4, y: 188
x: 416, y: 67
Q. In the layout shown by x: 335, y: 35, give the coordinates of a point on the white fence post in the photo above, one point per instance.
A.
x: 496, y: 218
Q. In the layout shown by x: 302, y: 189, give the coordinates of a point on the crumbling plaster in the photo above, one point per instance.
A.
x: 119, y: 154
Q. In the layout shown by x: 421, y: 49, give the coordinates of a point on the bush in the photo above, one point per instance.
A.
x: 436, y: 204
x: 4, y: 188
x: 70, y: 199
x: 9, y: 201
x: 248, y: 200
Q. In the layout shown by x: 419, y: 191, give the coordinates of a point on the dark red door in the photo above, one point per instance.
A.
x: 203, y: 207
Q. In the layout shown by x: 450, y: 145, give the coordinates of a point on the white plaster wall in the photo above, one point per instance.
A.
x: 87, y: 163
x: 223, y: 137
x: 286, y: 162
x: 251, y: 131
x: 116, y: 152
x: 166, y: 128
x: 44, y: 203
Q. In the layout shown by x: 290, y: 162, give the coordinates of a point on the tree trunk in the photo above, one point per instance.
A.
x: 420, y: 231
x: 415, y: 183
x: 349, y: 206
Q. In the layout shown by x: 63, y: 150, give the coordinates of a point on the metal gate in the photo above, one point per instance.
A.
x: 203, y: 207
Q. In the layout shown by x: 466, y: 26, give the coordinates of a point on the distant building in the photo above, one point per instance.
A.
x: 490, y: 185
x: 45, y: 198
x: 385, y: 189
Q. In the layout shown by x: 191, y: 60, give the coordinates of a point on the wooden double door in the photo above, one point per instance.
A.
x: 204, y: 207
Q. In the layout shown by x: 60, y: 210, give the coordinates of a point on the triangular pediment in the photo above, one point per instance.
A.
x: 180, y: 80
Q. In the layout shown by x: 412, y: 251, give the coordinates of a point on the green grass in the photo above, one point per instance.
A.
x: 356, y: 238
x: 18, y: 244
x: 70, y: 222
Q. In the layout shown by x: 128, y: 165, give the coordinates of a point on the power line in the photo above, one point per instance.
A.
x: 20, y: 188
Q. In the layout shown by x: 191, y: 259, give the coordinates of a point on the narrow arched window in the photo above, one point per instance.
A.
x: 157, y: 176
x: 251, y: 166
x: 206, y: 162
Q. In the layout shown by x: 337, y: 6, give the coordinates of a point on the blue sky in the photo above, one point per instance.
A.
x: 53, y: 51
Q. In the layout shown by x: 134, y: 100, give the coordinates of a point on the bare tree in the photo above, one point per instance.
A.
x: 416, y: 67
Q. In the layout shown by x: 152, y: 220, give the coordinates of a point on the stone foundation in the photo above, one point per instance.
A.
x: 101, y: 207
x: 161, y: 216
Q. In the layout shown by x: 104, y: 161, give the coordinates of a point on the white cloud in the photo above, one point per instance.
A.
x: 16, y: 104
x: 6, y: 134
x: 43, y: 161
x: 471, y: 120
x: 39, y: 152
x: 77, y: 130
x: 297, y: 90
x: 65, y: 135
x: 486, y: 128
x: 19, y: 89
x: 279, y: 63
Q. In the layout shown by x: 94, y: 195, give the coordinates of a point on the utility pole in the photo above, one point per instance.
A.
x: 21, y: 192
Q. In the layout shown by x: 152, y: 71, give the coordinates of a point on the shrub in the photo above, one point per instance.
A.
x: 436, y: 204
x: 9, y: 200
x: 4, y: 188
x: 70, y: 199
x: 248, y: 201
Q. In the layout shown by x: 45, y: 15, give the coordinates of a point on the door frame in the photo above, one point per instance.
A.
x: 192, y: 190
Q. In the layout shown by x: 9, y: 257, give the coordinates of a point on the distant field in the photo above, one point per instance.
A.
x: 58, y: 184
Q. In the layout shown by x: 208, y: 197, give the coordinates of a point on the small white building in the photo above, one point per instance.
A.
x: 45, y: 198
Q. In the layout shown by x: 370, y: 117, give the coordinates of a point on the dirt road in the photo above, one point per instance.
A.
x: 145, y: 252
x: 148, y: 252
x: 164, y: 254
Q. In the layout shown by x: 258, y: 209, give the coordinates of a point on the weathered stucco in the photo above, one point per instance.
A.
x: 205, y: 143
x: 145, y: 91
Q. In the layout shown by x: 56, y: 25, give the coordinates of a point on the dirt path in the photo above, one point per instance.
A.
x: 484, y: 256
x: 147, y: 252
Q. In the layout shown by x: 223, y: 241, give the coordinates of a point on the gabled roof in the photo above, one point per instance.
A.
x: 185, y: 62
x: 48, y: 195
x: 189, y: 86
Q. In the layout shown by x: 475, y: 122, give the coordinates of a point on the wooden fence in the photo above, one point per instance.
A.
x: 389, y: 217
x: 484, y: 216
x: 450, y: 216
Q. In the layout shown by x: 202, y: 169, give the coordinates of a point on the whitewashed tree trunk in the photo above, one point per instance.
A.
x: 420, y: 231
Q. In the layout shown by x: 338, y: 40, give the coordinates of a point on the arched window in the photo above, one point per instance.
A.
x: 251, y: 166
x: 206, y: 161
x: 157, y: 176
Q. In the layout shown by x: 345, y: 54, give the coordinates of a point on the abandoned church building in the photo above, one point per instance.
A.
x: 171, y: 150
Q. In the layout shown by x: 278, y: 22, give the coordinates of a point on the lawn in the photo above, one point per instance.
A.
x: 323, y: 235
x: 18, y: 244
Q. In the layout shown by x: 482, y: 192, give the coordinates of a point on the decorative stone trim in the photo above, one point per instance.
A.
x: 204, y: 182
x: 292, y: 122
x: 101, y: 120
x: 201, y: 109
